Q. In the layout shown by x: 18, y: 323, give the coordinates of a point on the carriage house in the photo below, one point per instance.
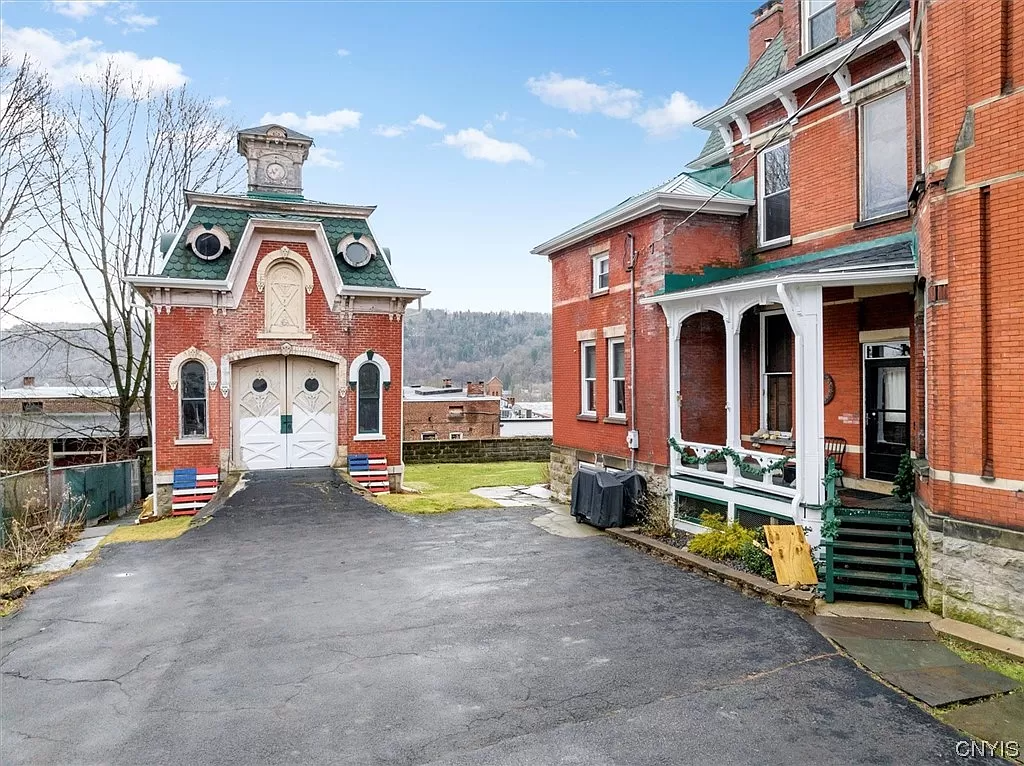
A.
x: 277, y: 336
x: 729, y: 330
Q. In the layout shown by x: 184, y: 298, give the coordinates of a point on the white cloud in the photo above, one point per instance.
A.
x: 678, y: 112
x: 579, y: 95
x: 390, y: 131
x: 501, y: 116
x: 343, y: 52
x: 477, y: 145
x: 69, y: 62
x: 220, y: 102
x: 555, y: 133
x: 78, y: 9
x: 132, y: 21
x: 324, y: 158
x: 427, y: 122
x: 333, y: 122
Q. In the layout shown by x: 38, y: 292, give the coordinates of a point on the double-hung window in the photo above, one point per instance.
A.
x: 883, y: 156
x: 616, y: 378
x: 600, y: 272
x: 192, y: 387
x: 773, y: 194
x: 588, y: 375
x: 776, y: 373
x: 368, y: 400
x: 818, y: 20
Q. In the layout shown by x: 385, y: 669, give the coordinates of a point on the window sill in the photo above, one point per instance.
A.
x: 599, y: 293
x: 882, y: 219
x: 590, y: 418
x: 284, y: 336
x: 618, y: 420
x: 370, y: 438
x: 815, y: 51
x: 779, y: 243
x: 773, y: 440
x: 192, y: 442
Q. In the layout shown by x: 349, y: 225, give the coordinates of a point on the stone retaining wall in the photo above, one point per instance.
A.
x: 971, y: 572
x: 565, y: 462
x: 529, y: 448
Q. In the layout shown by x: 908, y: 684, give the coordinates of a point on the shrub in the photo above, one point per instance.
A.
x: 756, y: 559
x: 723, y: 541
x: 903, y: 484
x: 652, y: 516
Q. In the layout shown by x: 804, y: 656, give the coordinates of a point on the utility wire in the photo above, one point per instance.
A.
x: 796, y: 115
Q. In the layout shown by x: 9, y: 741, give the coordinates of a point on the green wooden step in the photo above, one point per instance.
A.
x: 873, y: 561
x: 860, y: 574
x: 873, y: 547
x: 893, y: 534
x: 882, y: 521
x: 900, y: 594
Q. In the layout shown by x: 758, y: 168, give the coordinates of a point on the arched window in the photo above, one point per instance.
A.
x: 192, y: 390
x: 285, y: 299
x: 368, y: 396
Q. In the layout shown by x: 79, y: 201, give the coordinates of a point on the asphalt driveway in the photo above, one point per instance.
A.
x: 305, y: 624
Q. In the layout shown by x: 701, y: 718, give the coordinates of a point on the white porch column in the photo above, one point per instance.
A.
x: 732, y: 317
x: 674, y: 426
x: 803, y: 309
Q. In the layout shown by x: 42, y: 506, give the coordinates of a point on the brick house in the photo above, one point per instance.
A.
x: 769, y: 300
x: 449, y: 413
x: 277, y: 327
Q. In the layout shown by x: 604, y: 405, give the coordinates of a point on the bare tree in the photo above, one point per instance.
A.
x: 26, y: 196
x: 118, y: 173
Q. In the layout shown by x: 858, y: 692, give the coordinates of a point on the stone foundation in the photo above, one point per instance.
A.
x: 565, y: 462
x: 971, y: 572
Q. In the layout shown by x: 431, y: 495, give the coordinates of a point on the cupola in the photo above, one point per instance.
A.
x: 274, y: 155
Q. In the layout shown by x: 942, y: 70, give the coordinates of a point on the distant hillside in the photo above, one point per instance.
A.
x: 474, y: 345
x: 461, y: 345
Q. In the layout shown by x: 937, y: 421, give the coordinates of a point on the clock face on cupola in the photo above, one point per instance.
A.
x: 275, y: 156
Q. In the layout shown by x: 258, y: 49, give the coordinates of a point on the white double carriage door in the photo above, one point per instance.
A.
x: 284, y: 412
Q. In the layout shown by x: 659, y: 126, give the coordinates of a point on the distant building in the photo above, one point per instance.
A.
x: 525, y: 418
x: 63, y: 425
x: 494, y: 387
x: 450, y: 413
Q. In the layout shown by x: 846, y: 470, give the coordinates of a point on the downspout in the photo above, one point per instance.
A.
x: 631, y: 263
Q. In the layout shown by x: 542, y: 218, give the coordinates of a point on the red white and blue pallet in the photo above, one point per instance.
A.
x: 193, y: 488
x: 371, y: 472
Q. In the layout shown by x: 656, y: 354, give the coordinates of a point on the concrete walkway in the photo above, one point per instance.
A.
x: 305, y: 624
x: 88, y: 540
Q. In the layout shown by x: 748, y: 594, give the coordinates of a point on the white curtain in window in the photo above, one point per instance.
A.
x: 884, y: 146
x: 892, y: 383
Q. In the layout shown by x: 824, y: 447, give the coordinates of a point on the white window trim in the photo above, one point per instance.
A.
x: 455, y: 436
x: 384, y: 374
x: 595, y: 261
x: 431, y: 434
x: 612, y: 342
x: 760, y: 198
x: 805, y: 26
x: 862, y: 147
x: 583, y: 378
x: 764, y: 373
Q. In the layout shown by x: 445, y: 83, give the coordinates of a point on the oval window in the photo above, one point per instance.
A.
x: 259, y: 385
x: 207, y: 246
x: 312, y: 384
x: 357, y: 254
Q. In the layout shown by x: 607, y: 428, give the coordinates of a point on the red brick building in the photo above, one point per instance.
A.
x: 447, y: 413
x: 277, y: 327
x: 793, y: 291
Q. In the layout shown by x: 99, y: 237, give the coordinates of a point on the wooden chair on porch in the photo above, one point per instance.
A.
x: 835, y: 448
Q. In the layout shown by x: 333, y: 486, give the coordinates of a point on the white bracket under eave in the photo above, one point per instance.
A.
x: 744, y: 125
x: 842, y: 78
x: 726, y: 133
x: 789, y: 102
x: 902, y: 41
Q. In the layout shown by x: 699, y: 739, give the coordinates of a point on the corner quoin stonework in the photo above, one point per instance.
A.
x: 971, y: 572
x: 565, y: 462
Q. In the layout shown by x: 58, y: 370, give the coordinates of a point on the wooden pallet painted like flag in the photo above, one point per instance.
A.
x: 193, y: 488
x: 371, y: 472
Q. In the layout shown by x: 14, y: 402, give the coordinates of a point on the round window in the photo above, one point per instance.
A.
x: 357, y: 254
x: 312, y: 384
x: 259, y: 385
x: 207, y: 246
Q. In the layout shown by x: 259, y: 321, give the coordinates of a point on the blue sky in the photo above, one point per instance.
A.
x: 536, y: 116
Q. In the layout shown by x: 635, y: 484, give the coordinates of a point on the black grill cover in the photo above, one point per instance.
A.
x: 597, y: 498
x: 634, y: 487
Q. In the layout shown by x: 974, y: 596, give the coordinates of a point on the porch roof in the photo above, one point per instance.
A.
x: 887, y: 259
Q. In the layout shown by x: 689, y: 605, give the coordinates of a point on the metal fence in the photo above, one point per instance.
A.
x: 88, y: 491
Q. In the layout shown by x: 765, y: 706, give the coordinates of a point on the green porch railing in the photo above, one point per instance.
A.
x: 830, y: 527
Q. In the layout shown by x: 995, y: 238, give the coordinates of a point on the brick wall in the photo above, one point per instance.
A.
x: 528, y: 448
x: 236, y: 329
x: 473, y: 418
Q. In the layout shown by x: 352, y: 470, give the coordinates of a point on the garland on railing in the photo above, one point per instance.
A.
x: 737, y: 459
x: 830, y: 524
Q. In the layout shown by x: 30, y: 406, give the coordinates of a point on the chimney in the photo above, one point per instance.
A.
x: 767, y: 24
x: 474, y: 389
x: 446, y: 383
x: 274, y: 155
x: 29, y: 381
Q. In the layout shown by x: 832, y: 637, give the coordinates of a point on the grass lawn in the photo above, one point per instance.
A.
x: 445, y: 486
x: 156, y: 530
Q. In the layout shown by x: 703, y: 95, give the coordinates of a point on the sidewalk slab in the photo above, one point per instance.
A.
x: 1000, y: 719
x: 986, y: 639
x: 874, y: 611
x: 68, y: 557
x: 840, y: 628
